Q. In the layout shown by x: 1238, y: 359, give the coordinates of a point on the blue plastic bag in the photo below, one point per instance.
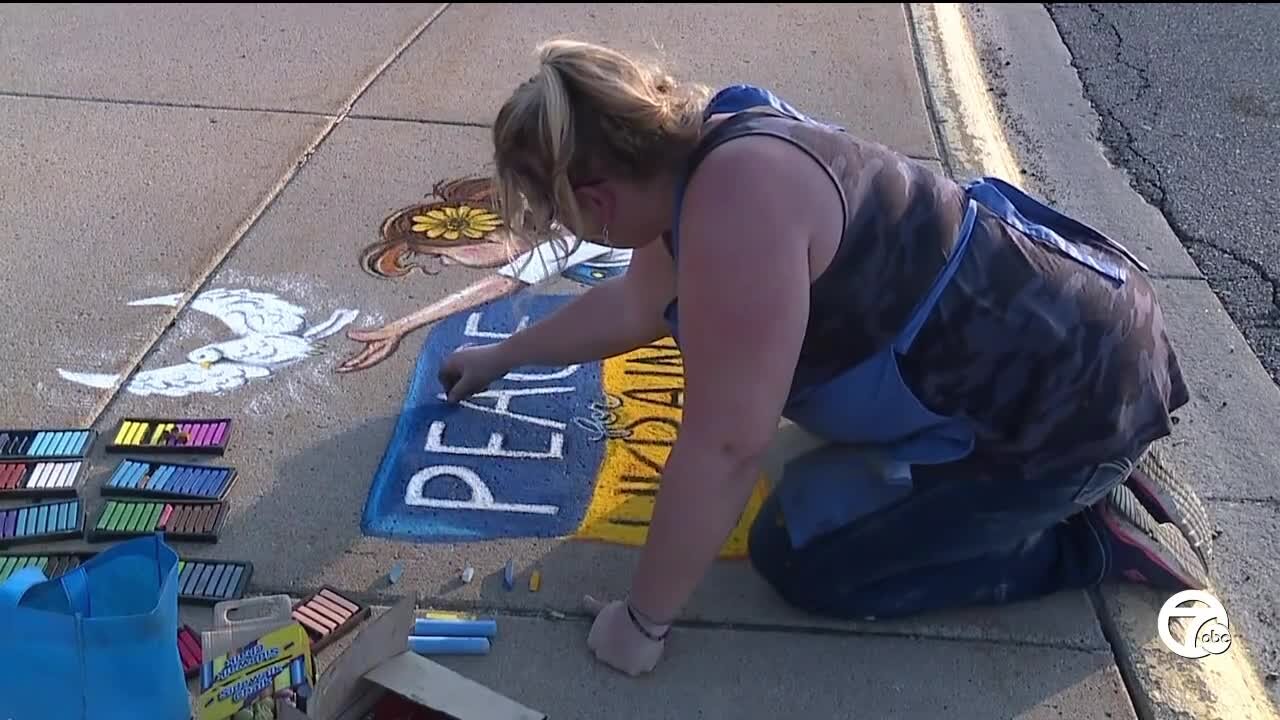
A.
x: 98, y: 643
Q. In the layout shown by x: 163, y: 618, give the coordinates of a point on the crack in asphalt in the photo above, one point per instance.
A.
x: 1147, y: 177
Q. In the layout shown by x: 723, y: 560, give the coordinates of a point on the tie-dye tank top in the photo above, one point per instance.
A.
x: 1055, y: 365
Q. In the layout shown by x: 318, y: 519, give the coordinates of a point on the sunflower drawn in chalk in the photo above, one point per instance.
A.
x: 455, y: 223
x: 462, y: 227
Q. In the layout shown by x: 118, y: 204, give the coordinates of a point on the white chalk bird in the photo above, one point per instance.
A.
x: 268, y: 338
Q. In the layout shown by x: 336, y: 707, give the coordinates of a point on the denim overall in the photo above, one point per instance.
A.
x: 875, y: 426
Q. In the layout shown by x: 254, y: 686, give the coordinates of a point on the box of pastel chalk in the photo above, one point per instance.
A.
x: 41, y: 522
x: 39, y: 478
x: 209, y: 582
x: 328, y: 615
x: 378, y: 667
x: 45, y: 444
x: 171, y: 435
x: 165, y: 480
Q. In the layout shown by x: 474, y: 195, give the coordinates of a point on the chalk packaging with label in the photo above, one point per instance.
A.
x: 44, y: 444
x: 52, y: 565
x: 209, y: 582
x: 41, y: 478
x: 328, y: 615
x: 190, y: 521
x: 276, y: 663
x: 42, y: 522
x: 171, y: 435
x: 177, y: 481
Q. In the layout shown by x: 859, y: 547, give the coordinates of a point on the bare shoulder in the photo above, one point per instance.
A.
x: 761, y: 186
x: 758, y: 164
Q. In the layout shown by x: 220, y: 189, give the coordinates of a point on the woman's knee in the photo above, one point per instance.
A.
x: 768, y: 544
x: 812, y: 580
x: 778, y: 563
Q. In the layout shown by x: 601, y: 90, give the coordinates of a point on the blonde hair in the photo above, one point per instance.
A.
x: 589, y: 109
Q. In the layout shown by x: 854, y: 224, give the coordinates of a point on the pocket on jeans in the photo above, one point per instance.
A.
x: 1099, y: 481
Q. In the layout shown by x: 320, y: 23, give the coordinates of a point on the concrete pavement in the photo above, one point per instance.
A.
x: 252, y: 156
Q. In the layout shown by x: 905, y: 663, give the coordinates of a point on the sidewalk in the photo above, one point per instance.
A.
x: 245, y: 150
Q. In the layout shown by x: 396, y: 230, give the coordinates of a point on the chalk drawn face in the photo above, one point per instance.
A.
x: 269, y: 333
x: 462, y: 227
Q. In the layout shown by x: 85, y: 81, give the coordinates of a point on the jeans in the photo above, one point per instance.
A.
x: 955, y: 541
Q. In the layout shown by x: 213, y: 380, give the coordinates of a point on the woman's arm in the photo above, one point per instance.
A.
x: 751, y: 212
x: 614, y: 317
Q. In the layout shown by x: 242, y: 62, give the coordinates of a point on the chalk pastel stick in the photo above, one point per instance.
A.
x: 189, y: 650
x: 447, y: 627
x: 444, y: 645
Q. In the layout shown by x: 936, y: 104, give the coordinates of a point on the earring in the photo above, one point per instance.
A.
x: 604, y: 240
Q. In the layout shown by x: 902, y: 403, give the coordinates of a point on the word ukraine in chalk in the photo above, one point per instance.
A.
x: 562, y: 452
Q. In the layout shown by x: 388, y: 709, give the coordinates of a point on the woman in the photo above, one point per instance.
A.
x: 972, y: 377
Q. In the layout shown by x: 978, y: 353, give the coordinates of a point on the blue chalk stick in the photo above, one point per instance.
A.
x: 436, y: 645
x: 445, y: 627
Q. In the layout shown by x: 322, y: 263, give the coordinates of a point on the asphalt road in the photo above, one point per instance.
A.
x: 1190, y: 103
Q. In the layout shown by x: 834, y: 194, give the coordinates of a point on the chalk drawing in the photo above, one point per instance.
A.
x: 573, y: 452
x: 271, y: 334
x: 461, y: 227
x: 603, y: 422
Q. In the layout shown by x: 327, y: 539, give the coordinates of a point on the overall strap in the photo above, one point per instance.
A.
x: 918, y: 317
x: 733, y: 99
x: 999, y: 197
x: 737, y: 98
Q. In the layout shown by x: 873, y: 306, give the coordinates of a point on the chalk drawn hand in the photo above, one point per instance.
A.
x: 380, y: 343
x: 470, y: 369
x: 616, y: 638
x: 383, y: 341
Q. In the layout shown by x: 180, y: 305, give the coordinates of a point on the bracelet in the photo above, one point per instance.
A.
x: 632, y: 612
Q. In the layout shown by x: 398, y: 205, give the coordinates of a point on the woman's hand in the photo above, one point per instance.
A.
x: 617, y: 640
x: 471, y: 368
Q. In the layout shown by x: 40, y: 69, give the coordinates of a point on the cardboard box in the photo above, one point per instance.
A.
x: 379, y: 661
